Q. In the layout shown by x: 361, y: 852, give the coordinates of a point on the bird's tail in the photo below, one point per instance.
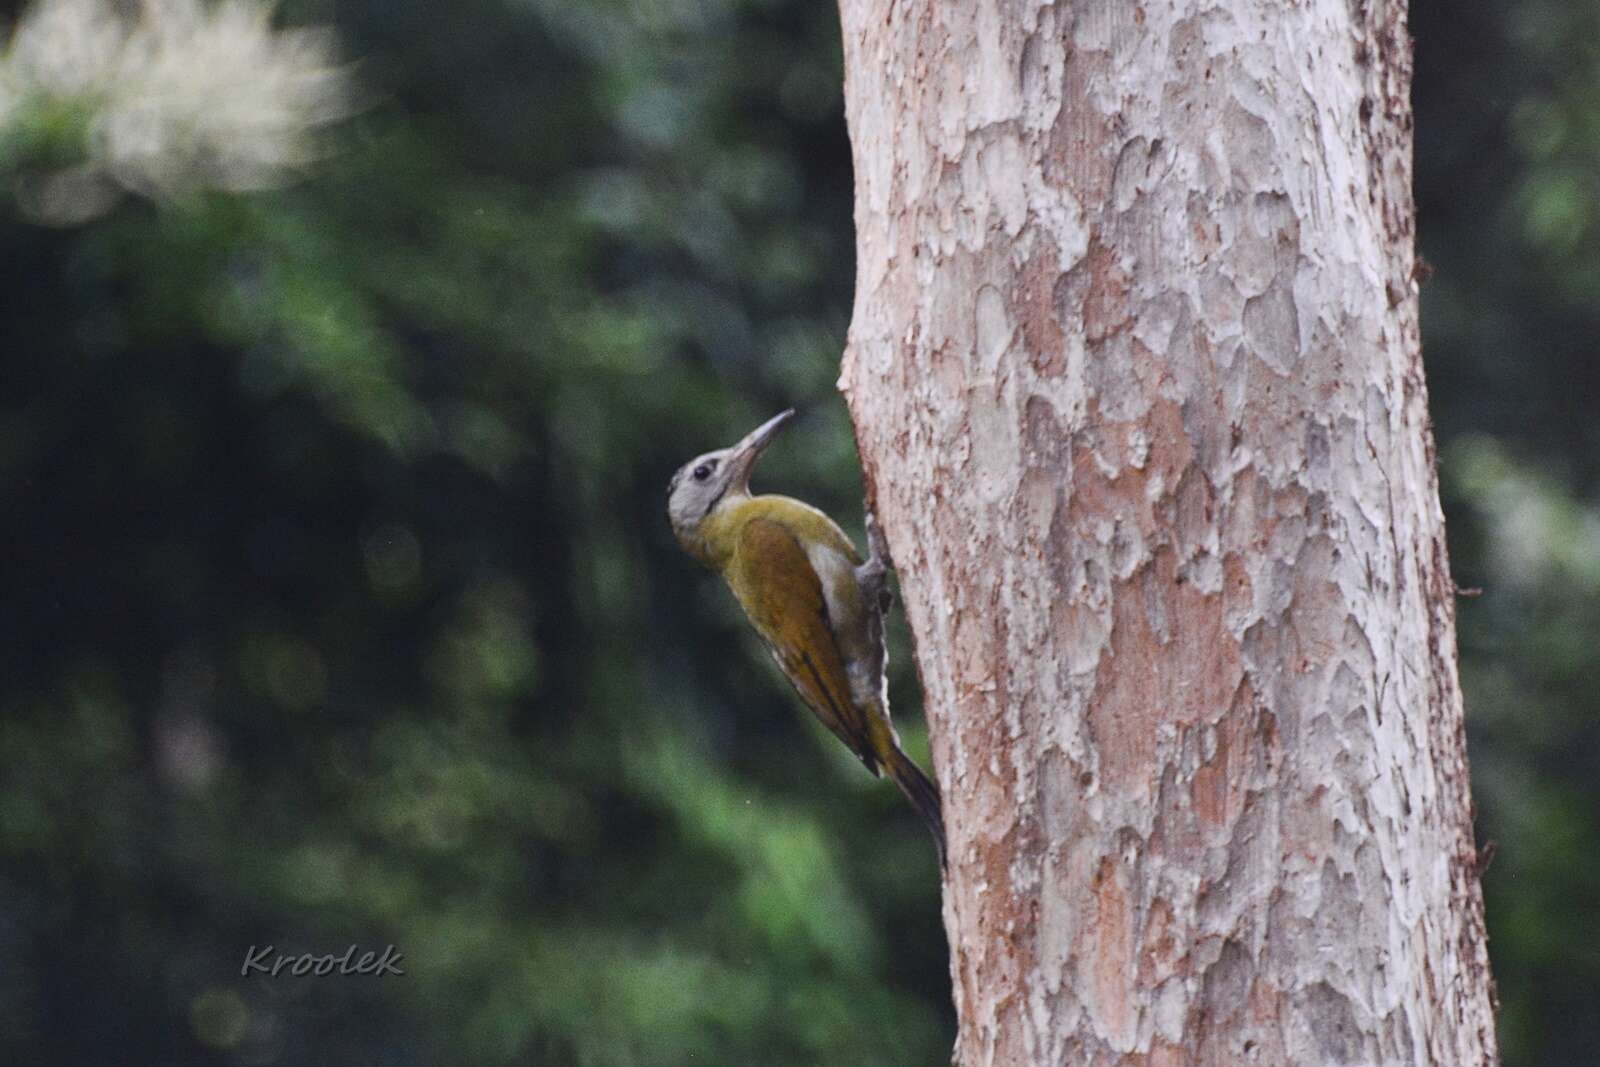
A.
x: 920, y: 790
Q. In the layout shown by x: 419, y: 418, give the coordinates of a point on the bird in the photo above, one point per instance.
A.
x: 815, y: 602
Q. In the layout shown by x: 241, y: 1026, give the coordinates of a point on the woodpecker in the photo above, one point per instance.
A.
x: 815, y: 602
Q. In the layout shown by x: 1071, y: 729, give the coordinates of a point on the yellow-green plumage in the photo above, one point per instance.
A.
x: 807, y: 625
x: 797, y: 577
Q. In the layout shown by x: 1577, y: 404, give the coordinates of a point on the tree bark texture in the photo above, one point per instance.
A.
x: 1135, y: 373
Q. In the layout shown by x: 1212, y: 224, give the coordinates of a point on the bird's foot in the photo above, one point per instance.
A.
x: 873, y: 574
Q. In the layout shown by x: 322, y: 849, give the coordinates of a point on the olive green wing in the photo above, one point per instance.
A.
x: 779, y: 590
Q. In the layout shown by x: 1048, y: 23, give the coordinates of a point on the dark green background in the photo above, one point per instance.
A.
x: 340, y: 606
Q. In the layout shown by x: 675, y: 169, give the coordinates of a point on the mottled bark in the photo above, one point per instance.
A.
x: 1135, y: 373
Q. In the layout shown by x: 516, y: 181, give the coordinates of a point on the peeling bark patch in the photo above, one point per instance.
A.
x: 1110, y: 950
x: 1159, y: 952
x: 1149, y: 683
x: 1272, y: 328
x: 1032, y: 295
x: 1228, y: 979
x: 1095, y: 294
x: 1218, y: 786
x: 1332, y: 1021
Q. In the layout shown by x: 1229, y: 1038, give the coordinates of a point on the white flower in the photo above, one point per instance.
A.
x: 180, y: 96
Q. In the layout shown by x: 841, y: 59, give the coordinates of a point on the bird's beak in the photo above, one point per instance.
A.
x: 743, y: 458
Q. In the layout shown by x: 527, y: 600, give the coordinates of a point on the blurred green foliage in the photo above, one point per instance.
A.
x: 1507, y: 97
x: 340, y: 602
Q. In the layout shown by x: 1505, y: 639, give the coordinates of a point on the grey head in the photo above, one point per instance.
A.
x: 706, y: 481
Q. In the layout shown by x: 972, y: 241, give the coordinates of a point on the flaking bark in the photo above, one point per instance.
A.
x: 1135, y: 373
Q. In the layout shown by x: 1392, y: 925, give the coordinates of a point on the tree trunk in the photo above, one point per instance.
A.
x: 1135, y: 375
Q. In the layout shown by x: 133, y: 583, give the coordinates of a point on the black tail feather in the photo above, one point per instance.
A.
x: 922, y: 792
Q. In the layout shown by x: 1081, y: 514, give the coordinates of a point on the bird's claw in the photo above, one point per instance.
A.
x: 877, y: 546
x: 873, y: 574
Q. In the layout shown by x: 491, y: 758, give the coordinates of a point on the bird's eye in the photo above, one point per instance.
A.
x: 702, y: 472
